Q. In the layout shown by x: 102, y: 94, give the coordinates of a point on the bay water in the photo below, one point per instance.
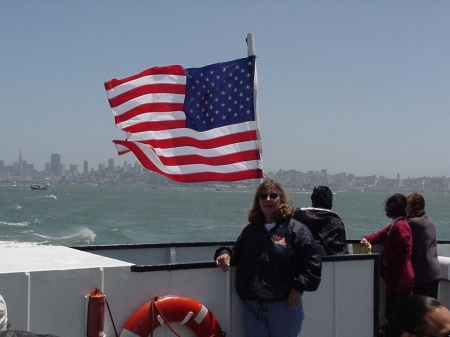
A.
x: 73, y: 215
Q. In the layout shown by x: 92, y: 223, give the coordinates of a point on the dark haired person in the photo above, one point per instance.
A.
x: 418, y: 316
x: 326, y: 226
x: 276, y: 260
x: 427, y: 270
x: 396, y: 266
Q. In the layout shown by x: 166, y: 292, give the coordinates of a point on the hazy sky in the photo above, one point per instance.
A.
x: 350, y: 86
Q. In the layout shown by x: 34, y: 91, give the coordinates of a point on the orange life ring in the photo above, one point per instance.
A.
x: 168, y: 309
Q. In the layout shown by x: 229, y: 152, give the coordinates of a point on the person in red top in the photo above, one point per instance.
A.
x: 396, y: 265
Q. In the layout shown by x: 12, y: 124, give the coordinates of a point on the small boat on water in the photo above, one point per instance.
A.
x: 39, y: 186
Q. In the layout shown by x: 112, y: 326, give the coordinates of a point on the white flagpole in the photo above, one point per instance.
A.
x: 251, y: 51
x: 250, y: 45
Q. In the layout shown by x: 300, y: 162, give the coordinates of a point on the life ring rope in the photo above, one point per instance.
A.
x: 164, y: 310
x: 153, y: 305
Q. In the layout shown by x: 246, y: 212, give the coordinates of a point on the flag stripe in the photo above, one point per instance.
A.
x: 212, y: 152
x: 185, y: 156
x: 162, y: 125
x: 227, y: 159
x: 152, y: 111
x: 215, y: 138
x: 148, y: 99
x: 203, y: 144
x: 189, y: 133
x: 156, y: 121
x: 135, y: 80
x: 198, y: 172
x: 145, y: 90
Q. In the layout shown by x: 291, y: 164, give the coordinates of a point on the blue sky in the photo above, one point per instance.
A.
x: 350, y: 86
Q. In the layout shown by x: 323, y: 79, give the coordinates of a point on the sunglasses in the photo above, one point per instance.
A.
x: 272, y: 196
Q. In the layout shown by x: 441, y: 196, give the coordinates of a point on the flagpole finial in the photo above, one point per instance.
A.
x: 250, y: 45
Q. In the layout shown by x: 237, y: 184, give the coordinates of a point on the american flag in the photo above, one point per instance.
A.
x: 190, y: 125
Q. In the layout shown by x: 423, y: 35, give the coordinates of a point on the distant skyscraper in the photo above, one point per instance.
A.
x: 20, y: 166
x: 111, y: 164
x: 73, y: 169
x: 55, y: 164
x: 85, y: 167
x: 139, y: 169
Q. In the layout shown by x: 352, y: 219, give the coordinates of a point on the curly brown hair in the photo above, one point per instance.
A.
x: 416, y: 205
x: 255, y: 214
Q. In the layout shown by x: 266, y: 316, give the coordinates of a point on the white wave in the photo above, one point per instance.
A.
x: 51, y: 196
x: 46, y: 236
x: 17, y: 224
x: 18, y: 207
x: 82, y: 233
x: 87, y: 233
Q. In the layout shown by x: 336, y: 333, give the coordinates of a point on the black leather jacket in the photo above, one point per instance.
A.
x: 270, y: 264
x: 326, y: 227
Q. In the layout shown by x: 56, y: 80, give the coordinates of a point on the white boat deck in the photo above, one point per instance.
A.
x: 46, y: 258
x: 45, y: 288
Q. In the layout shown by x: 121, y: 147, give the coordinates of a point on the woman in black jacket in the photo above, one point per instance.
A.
x: 276, y: 260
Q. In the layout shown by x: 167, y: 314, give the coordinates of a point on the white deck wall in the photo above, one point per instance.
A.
x: 45, y: 289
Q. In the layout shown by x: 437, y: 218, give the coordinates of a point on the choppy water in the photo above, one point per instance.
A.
x: 85, y: 215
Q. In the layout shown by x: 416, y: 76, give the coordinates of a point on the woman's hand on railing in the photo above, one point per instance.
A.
x: 223, y: 262
x: 366, y: 247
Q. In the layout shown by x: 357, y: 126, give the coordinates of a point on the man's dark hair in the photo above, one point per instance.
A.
x: 395, y: 206
x: 410, y: 315
x: 322, y: 197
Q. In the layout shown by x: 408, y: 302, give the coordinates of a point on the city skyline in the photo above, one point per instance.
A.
x: 135, y: 174
x: 351, y: 86
x: 85, y: 167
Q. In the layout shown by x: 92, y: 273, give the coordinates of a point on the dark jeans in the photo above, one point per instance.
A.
x: 271, y: 319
